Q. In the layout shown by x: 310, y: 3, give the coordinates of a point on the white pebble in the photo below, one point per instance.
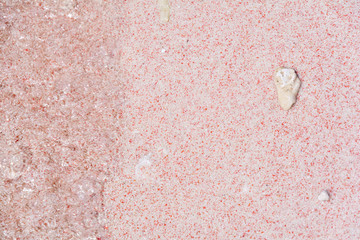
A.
x: 324, y: 196
x: 287, y: 84
x: 164, y: 8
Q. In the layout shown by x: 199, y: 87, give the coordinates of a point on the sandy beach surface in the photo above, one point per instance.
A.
x: 118, y: 124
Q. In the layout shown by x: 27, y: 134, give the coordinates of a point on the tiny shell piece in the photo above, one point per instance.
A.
x: 287, y: 84
x: 324, y: 196
x: 164, y: 9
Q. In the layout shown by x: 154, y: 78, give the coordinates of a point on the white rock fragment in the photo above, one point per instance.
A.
x: 164, y: 8
x: 324, y: 196
x: 287, y: 84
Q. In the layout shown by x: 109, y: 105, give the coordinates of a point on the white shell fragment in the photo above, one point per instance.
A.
x: 324, y: 196
x: 164, y: 8
x: 287, y: 84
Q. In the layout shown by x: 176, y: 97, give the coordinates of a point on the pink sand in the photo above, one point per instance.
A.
x: 123, y: 127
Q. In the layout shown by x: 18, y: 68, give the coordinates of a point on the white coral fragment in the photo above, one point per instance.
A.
x: 164, y: 8
x: 287, y: 84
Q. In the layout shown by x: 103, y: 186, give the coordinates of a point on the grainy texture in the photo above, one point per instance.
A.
x: 228, y: 162
x: 60, y: 110
x: 90, y: 88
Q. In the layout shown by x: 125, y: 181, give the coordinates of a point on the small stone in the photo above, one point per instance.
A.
x: 164, y: 8
x: 324, y: 196
x: 287, y: 84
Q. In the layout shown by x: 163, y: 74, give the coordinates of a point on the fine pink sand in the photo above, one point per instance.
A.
x: 114, y: 125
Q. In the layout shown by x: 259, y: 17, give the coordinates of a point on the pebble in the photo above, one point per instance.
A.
x: 287, y: 84
x: 324, y: 196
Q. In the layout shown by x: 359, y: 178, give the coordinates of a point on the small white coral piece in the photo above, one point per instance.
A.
x: 324, y: 196
x: 164, y: 8
x: 287, y: 84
